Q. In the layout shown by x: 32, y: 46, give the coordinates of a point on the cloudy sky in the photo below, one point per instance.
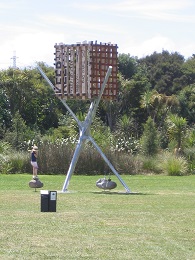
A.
x: 30, y: 28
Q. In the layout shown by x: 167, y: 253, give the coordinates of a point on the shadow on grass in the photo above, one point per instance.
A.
x: 119, y: 193
x: 105, y: 192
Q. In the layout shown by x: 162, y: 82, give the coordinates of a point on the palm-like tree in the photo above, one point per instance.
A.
x: 177, y: 129
x: 155, y: 102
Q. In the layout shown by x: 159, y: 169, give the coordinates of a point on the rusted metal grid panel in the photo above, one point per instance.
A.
x: 95, y: 71
x: 112, y: 81
x: 111, y: 59
x: 59, y: 73
x: 103, y: 56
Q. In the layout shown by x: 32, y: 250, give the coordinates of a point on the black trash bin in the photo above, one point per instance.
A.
x: 48, y: 201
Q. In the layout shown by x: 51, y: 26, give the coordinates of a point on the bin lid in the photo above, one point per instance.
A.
x: 44, y: 192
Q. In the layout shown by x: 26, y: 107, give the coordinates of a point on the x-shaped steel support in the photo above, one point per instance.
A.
x: 84, y: 130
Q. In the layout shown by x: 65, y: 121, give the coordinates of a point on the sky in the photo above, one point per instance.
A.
x: 29, y: 29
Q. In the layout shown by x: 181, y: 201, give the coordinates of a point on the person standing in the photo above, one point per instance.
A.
x: 34, y: 155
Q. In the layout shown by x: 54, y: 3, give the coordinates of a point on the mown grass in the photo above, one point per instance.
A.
x: 156, y: 222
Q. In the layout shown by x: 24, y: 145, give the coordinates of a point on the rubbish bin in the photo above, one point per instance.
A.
x: 48, y: 201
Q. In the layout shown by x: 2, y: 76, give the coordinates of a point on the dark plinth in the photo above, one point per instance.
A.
x: 48, y: 201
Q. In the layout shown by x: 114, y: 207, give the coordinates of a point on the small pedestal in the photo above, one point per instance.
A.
x: 106, y: 184
x: 35, y: 183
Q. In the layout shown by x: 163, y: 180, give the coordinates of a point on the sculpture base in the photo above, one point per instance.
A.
x: 35, y: 183
x: 106, y: 184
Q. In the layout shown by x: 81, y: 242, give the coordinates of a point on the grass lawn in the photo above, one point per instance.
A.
x: 158, y: 222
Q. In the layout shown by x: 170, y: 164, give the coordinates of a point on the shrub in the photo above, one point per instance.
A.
x: 128, y: 163
x: 5, y: 166
x: 20, y: 162
x: 149, y: 139
x: 5, y: 149
x: 91, y: 162
x: 189, y: 154
x: 15, y: 162
x: 174, y: 166
x: 150, y: 164
x: 54, y: 157
x: 126, y: 144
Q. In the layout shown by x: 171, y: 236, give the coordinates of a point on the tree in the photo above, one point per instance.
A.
x: 186, y: 98
x: 11, y: 81
x: 108, y: 112
x: 149, y: 139
x: 177, y: 129
x: 127, y: 65
x: 188, y: 69
x: 158, y: 105
x: 125, y: 127
x: 5, y: 114
x: 29, y: 94
x: 164, y: 71
x: 19, y: 133
x: 130, y: 92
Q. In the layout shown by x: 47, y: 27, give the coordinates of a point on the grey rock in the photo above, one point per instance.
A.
x: 106, y: 184
x: 36, y: 183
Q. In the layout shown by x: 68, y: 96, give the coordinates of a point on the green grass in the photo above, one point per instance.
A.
x: 157, y: 222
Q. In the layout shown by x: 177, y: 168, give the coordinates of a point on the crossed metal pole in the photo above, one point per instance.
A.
x: 84, y: 132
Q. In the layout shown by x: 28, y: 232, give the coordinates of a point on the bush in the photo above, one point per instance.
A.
x: 189, y: 154
x: 90, y: 162
x: 20, y: 162
x: 15, y: 162
x: 128, y: 163
x: 126, y: 144
x: 149, y: 140
x: 5, y: 147
x: 5, y: 166
x: 151, y: 164
x: 54, y: 157
x: 174, y: 166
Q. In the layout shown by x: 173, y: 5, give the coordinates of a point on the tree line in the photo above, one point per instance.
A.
x: 154, y: 110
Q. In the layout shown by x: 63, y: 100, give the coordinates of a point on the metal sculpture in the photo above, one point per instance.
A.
x: 84, y: 71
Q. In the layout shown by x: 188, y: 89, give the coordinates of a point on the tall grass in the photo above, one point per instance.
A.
x: 151, y: 164
x: 174, y: 166
x: 55, y: 158
x: 128, y: 163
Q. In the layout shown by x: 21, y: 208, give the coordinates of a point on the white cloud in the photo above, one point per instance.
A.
x: 170, y: 10
x: 30, y: 47
x: 187, y: 50
x: 70, y: 24
x: 147, y: 47
x: 157, y: 43
x: 151, y: 5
